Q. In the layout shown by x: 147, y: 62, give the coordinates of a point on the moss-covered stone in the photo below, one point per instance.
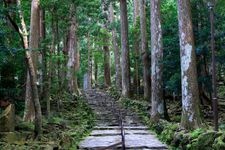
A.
x: 7, y: 119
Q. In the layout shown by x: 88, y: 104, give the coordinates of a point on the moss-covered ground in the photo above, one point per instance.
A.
x: 63, y: 130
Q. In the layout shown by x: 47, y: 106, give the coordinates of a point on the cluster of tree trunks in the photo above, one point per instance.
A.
x: 39, y: 80
x: 152, y: 78
x: 190, y: 92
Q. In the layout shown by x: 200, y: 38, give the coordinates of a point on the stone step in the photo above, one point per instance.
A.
x: 117, y: 132
x: 118, y: 127
x: 131, y: 141
x: 107, y: 131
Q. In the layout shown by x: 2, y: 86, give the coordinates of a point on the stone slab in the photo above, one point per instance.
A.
x: 132, y: 141
x: 118, y: 127
x: 117, y: 132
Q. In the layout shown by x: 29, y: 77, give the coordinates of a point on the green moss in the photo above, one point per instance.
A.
x: 195, y: 134
x: 167, y: 134
x: 64, y: 130
x: 219, y: 143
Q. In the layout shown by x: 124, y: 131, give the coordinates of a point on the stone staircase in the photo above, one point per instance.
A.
x: 108, y: 131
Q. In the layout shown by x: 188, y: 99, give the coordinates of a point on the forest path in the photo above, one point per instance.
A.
x: 108, y: 131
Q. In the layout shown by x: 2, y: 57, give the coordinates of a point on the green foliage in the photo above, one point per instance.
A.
x: 169, y: 132
x: 63, y: 130
x: 219, y: 143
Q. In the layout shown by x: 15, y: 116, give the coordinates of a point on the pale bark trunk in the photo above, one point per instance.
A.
x: 116, y: 49
x: 190, y: 94
x: 125, y: 64
x: 34, y: 44
x: 157, y: 111
x: 29, y: 113
x: 144, y: 51
x: 72, y: 54
x: 35, y: 97
x: 136, y: 47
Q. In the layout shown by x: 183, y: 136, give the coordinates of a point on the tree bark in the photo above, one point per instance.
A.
x: 136, y: 46
x: 107, y: 71
x: 190, y: 94
x: 72, y: 54
x: 89, y: 71
x: 34, y: 44
x: 157, y: 111
x: 29, y: 113
x: 125, y: 65
x: 42, y: 61
x: 144, y: 51
x: 116, y: 49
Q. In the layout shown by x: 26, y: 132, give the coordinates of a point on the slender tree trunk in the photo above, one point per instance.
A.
x: 157, y: 111
x: 96, y: 72
x: 45, y: 95
x: 116, y: 49
x: 35, y: 97
x: 136, y: 47
x: 89, y: 73
x: 43, y: 54
x: 72, y: 54
x: 125, y: 64
x: 144, y: 51
x: 190, y: 95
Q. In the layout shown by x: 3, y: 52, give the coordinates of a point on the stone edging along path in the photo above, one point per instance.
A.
x: 108, y: 132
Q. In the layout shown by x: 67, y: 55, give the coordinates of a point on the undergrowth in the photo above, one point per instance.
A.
x: 63, y: 130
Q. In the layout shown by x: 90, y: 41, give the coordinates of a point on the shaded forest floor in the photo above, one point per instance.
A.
x: 64, y: 129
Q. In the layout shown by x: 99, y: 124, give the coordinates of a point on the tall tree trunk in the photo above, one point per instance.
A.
x: 34, y: 44
x: 29, y: 112
x: 72, y: 53
x: 190, y: 95
x: 157, y: 111
x: 125, y: 64
x: 136, y: 46
x: 116, y: 48
x: 107, y: 72
x: 43, y: 54
x: 45, y: 95
x: 144, y: 51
